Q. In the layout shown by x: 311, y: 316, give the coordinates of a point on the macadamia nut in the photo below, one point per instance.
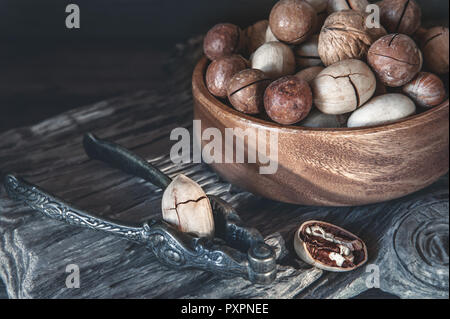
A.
x: 223, y: 39
x: 276, y: 59
x: 343, y: 87
x: 292, y: 21
x: 220, y: 71
x: 396, y: 59
x: 288, y: 100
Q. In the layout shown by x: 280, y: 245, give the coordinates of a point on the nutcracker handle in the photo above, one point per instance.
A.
x: 123, y: 159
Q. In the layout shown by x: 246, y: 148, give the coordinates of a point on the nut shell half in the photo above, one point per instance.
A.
x: 343, y: 87
x: 402, y: 16
x: 305, y: 247
x: 246, y: 90
x: 435, y: 50
x: 288, y: 100
x: 306, y: 54
x: 223, y: 39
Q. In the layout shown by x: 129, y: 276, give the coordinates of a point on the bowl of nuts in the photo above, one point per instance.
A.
x: 338, y: 110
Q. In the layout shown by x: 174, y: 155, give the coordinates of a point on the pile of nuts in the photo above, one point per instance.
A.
x: 321, y: 63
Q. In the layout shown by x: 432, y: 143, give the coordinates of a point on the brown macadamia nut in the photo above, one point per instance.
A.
x: 276, y: 59
x: 396, y: 59
x: 341, y: 5
x: 435, y: 49
x: 344, y: 36
x: 220, y: 71
x: 223, y: 39
x: 426, y: 89
x: 400, y: 16
x: 309, y: 74
x: 292, y: 21
x: 288, y: 100
x: 307, y: 54
x: 343, y: 87
x: 256, y: 35
x: 246, y: 90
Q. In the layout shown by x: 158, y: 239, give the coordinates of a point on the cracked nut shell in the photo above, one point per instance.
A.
x: 288, y: 100
x: 246, y: 90
x: 329, y: 247
x: 396, y: 59
x: 185, y: 205
x: 435, y: 49
x: 426, y: 90
x: 223, y: 39
x: 292, y: 21
x: 344, y: 36
x: 400, y: 16
x: 343, y: 87
x: 220, y: 71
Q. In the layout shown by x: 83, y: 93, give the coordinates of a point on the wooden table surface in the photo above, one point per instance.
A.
x: 407, y: 238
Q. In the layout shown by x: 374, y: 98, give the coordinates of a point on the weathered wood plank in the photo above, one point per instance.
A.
x: 34, y: 251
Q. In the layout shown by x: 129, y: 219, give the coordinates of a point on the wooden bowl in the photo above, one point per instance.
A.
x: 333, y: 167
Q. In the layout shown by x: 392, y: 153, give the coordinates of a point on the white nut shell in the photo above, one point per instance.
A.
x: 302, y: 251
x: 186, y: 206
x: 275, y: 59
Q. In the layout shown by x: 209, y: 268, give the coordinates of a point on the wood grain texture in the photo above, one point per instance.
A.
x: 334, y: 167
x: 34, y: 250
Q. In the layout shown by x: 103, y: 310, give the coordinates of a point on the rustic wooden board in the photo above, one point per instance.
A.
x: 407, y: 238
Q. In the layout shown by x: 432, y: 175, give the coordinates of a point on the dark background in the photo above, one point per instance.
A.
x: 46, y: 69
